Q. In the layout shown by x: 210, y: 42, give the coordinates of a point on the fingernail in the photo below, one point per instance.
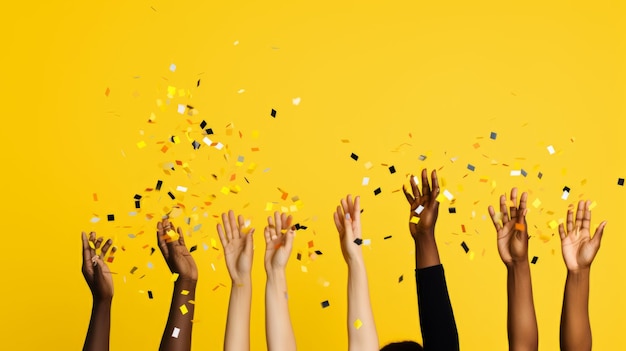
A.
x: 347, y: 216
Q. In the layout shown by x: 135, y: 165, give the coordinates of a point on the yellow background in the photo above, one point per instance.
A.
x: 395, y: 79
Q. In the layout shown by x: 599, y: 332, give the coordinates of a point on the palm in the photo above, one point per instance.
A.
x: 512, y: 232
x: 238, y: 261
x: 577, y: 246
x: 512, y: 244
x: 174, y: 251
x: 98, y: 277
x: 349, y: 228
x: 278, y: 245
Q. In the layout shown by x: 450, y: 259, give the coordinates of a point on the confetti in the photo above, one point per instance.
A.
x: 173, y: 67
x: 414, y: 220
x: 159, y: 184
x: 296, y: 101
x: 551, y: 149
x: 141, y: 144
x: 183, y: 309
x: 392, y: 169
x: 106, y: 92
x: 368, y: 165
x: 452, y: 210
x: 181, y: 188
x: 401, y: 279
x: 174, y: 277
x: 181, y: 108
x: 493, y: 135
x: 536, y: 203
x: 464, y: 246
x: 273, y: 113
x: 175, y: 332
x: 150, y: 296
x: 592, y: 205
x: 539, y: 175
x: 448, y: 194
x: 325, y: 304
x: 377, y: 191
x: 534, y: 260
x: 354, y: 156
x: 620, y: 181
x: 553, y: 224
x: 358, y: 241
x: 515, y: 173
x: 110, y: 217
x: 565, y: 194
x: 471, y: 167
x: 419, y: 209
x: 387, y: 237
x: 184, y: 292
x: 366, y: 180
x: 520, y: 226
x: 358, y: 324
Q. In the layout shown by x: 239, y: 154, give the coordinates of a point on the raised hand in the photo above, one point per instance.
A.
x: 348, y: 223
x: 424, y: 202
x: 279, y: 235
x: 511, y: 227
x: 578, y: 247
x: 95, y: 270
x: 237, y: 246
x: 174, y: 250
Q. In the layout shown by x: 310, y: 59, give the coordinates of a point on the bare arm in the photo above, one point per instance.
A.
x: 278, y: 329
x: 579, y: 250
x: 98, y: 277
x: 513, y: 249
x: 238, y: 254
x: 362, y: 335
x: 177, y: 333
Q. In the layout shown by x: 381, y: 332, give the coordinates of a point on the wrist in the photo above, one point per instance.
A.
x: 423, y: 235
x: 517, y: 264
x: 245, y: 280
x: 580, y: 271
x: 185, y: 283
x: 102, y: 301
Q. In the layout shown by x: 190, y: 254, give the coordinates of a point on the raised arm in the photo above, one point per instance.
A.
x: 98, y: 277
x: 579, y: 250
x: 513, y: 248
x: 238, y: 254
x: 279, y: 235
x: 362, y: 334
x: 437, y: 321
x: 177, y: 333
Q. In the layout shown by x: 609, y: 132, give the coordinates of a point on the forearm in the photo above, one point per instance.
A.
x: 426, y: 252
x: 362, y: 333
x: 575, y: 325
x: 177, y: 333
x: 278, y: 329
x: 97, y: 338
x: 237, y: 336
x: 521, y: 320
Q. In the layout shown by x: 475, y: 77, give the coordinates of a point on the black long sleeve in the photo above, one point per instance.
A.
x: 435, y: 311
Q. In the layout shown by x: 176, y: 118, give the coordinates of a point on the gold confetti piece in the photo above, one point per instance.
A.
x: 175, y: 139
x: 225, y: 190
x: 269, y: 206
x: 472, y: 255
x: 171, y: 91
x: 304, y: 269
x: 213, y: 243
x: 141, y: 144
x: 183, y: 309
x: 107, y: 92
x: 184, y: 292
x: 251, y: 167
x: 536, y: 203
x: 174, y: 277
x: 553, y: 224
x: 368, y: 165
x: 91, y: 245
x: 520, y: 226
x: 358, y: 324
x: 593, y: 205
x: 440, y: 198
x: 171, y: 236
x: 415, y: 220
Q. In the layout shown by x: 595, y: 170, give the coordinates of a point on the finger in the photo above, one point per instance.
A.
x: 570, y: 221
x: 503, y: 210
x: 233, y: 224
x: 242, y: 224
x: 408, y: 196
x: 513, y: 207
x: 587, y: 216
x: 222, y: 235
x: 98, y: 242
x: 344, y: 206
x: 414, y: 187
x: 289, y: 237
x: 181, y: 237
x: 580, y: 214
x: 436, y: 189
x: 347, y: 225
x: 227, y: 230
x: 356, y: 212
x: 562, y: 233
x: 278, y: 222
x: 494, y: 220
x: 425, y: 184
x: 106, y: 247
x: 350, y: 205
x: 267, y: 235
x: 161, y: 239
x: 522, y: 207
x: 597, y: 237
x: 288, y: 219
x: 338, y: 222
x: 172, y: 227
x: 249, y: 243
x: 271, y: 227
x: 86, y: 249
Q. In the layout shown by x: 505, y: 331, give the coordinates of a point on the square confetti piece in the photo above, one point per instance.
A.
x: 366, y: 180
x: 452, y: 210
x: 358, y: 241
x: 551, y: 149
x: 471, y: 167
x: 175, y: 332
x: 325, y: 304
x: 110, y: 217
x: 358, y: 324
x: 377, y: 191
x: 392, y: 169
x: 183, y: 309
x: 534, y: 260
x: 273, y: 113
x: 553, y: 224
x: 181, y: 108
x: 414, y: 220
x: 620, y: 181
x: 536, y: 203
x: 141, y: 144
x: 419, y: 209
x: 354, y: 156
x: 493, y: 135
x: 520, y: 226
x: 173, y: 67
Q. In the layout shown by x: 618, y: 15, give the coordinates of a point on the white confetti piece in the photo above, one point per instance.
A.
x: 181, y: 188
x: 175, y: 332
x: 448, y: 195
x: 516, y: 173
x: 207, y: 141
x: 296, y: 101
x: 419, y: 209
x: 366, y: 180
x: 181, y: 109
x: 551, y: 149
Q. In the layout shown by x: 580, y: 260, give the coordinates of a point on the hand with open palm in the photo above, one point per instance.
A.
x: 175, y: 252
x: 578, y: 247
x: 95, y: 270
x: 512, y: 229
x: 279, y: 236
x: 238, y: 246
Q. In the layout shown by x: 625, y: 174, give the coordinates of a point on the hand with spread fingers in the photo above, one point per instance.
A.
x: 179, y: 326
x: 238, y: 252
x: 511, y: 227
x: 578, y: 247
x: 424, y: 205
x: 172, y: 244
x: 98, y: 277
x: 279, y: 235
x: 347, y: 219
x: 95, y: 270
x: 579, y: 250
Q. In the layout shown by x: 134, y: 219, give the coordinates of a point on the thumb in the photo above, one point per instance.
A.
x: 597, y: 237
x: 290, y: 235
x: 347, y: 224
